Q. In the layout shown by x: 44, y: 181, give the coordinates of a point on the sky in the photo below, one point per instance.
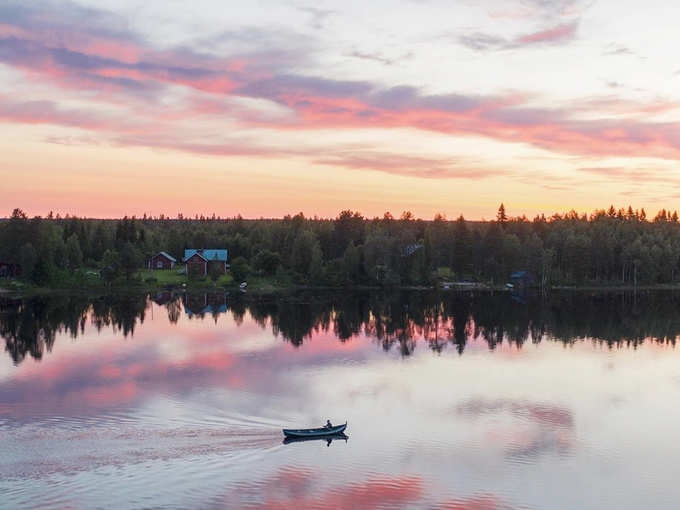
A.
x: 265, y: 108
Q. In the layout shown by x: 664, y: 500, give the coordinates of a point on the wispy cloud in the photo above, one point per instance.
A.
x: 556, y: 8
x: 410, y: 166
x: 554, y: 35
x: 617, y: 49
x: 49, y: 112
x: 318, y: 16
x: 379, y: 57
x: 633, y: 175
x: 614, y: 105
x: 482, y: 42
x: 547, y: 10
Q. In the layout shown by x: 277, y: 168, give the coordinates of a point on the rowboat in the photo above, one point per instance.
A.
x: 328, y: 439
x: 320, y: 432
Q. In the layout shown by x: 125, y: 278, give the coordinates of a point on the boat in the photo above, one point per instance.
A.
x: 328, y: 439
x: 320, y: 432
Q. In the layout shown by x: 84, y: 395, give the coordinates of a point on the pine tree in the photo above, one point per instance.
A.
x: 501, y: 217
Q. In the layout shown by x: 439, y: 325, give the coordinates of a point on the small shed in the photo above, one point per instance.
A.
x: 162, y: 260
x: 410, y: 249
x: 522, y: 279
x: 9, y: 270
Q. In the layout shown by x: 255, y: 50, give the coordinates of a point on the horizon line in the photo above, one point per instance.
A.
x: 215, y: 217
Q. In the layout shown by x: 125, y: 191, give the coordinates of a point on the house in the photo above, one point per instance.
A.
x: 410, y: 249
x: 522, y: 279
x: 9, y: 270
x: 201, y: 261
x: 162, y: 260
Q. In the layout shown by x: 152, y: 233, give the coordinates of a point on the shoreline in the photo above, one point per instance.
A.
x: 272, y: 289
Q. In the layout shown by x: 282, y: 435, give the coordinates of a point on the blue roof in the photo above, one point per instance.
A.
x: 208, y: 255
x: 412, y: 248
x: 519, y: 274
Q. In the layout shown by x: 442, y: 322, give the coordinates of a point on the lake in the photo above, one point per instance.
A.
x: 453, y: 401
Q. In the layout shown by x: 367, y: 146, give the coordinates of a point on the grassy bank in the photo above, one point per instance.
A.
x: 88, y: 280
x: 144, y: 281
x: 173, y: 278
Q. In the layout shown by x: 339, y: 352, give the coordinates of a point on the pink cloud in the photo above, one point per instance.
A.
x: 48, y: 112
x: 118, y: 67
x: 119, y: 50
x: 410, y: 166
x: 554, y: 34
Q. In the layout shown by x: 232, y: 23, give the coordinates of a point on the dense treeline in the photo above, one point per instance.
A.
x: 395, y: 320
x: 608, y: 246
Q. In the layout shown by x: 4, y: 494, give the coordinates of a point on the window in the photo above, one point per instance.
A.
x: 159, y: 264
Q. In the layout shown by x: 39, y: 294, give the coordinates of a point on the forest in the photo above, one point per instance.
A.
x: 607, y: 247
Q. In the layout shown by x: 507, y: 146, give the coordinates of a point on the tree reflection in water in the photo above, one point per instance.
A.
x: 396, y: 320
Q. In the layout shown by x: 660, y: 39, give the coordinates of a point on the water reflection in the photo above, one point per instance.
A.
x: 551, y: 428
x: 291, y: 486
x: 29, y: 326
x: 326, y: 439
x: 180, y: 399
x: 396, y: 320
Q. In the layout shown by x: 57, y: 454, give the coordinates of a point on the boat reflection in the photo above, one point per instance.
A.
x: 328, y: 439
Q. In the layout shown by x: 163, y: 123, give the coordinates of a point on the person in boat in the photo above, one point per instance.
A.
x: 329, y: 425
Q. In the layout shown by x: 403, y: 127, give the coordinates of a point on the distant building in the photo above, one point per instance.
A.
x: 522, y: 279
x: 200, y: 261
x: 410, y: 249
x: 162, y: 260
x: 9, y: 270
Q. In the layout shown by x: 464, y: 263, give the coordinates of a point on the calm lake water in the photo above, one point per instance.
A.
x: 454, y: 401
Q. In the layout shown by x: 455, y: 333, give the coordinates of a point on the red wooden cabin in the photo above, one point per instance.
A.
x: 200, y: 261
x: 162, y: 260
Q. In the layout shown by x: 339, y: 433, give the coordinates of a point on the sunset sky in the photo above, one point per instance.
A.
x: 263, y: 108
